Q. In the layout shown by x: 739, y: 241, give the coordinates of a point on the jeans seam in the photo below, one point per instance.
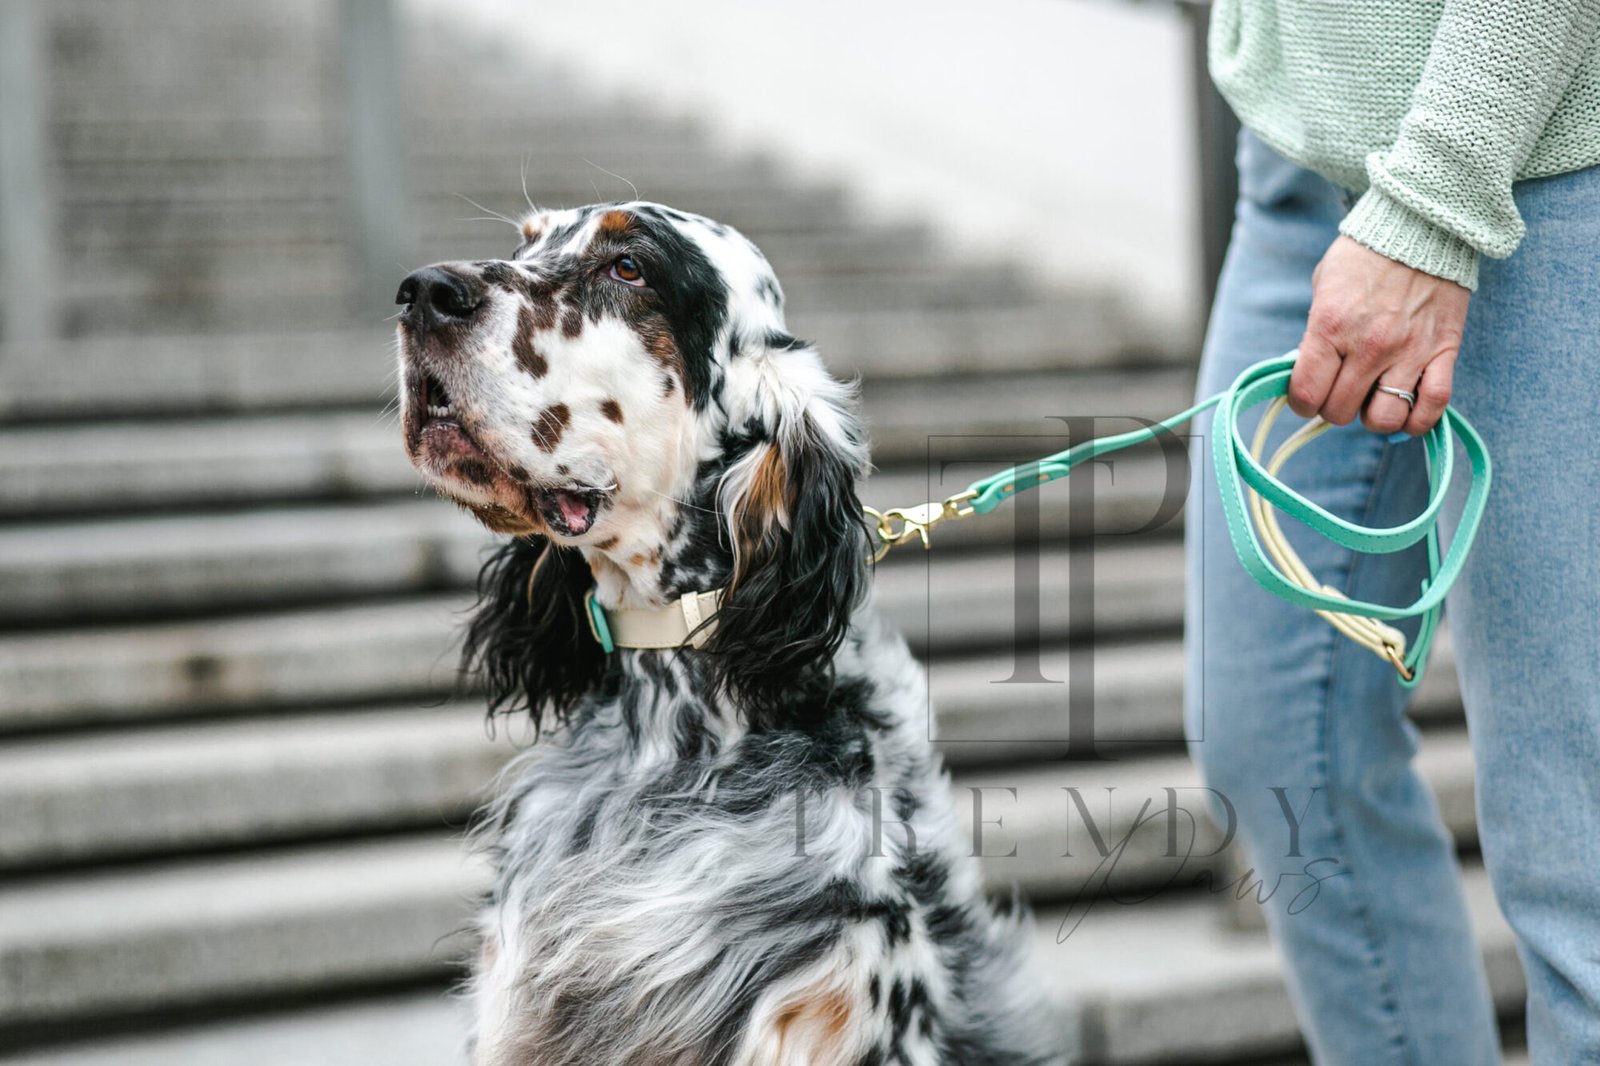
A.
x: 1389, y: 998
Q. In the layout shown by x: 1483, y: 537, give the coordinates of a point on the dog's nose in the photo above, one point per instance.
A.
x: 435, y: 296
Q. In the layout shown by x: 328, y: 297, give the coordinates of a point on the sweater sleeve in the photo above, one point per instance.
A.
x: 1440, y: 196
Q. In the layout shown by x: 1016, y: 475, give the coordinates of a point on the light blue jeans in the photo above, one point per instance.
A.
x: 1381, y: 960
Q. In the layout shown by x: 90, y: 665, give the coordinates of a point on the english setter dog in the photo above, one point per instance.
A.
x: 734, y: 843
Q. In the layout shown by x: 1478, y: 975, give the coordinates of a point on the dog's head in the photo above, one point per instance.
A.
x: 622, y: 396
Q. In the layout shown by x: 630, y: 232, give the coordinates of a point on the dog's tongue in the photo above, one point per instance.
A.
x: 575, y: 511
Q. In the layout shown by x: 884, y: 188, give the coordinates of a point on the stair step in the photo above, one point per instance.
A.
x: 152, y: 566
x: 1072, y: 331
x: 1137, y: 701
x: 443, y: 165
x: 140, y: 218
x: 802, y: 237
x: 1041, y: 823
x: 128, y: 674
x: 369, y: 651
x: 922, y: 287
x: 426, y: 1028
x: 797, y: 236
x: 159, y: 791
x: 244, y: 239
x: 242, y: 139
x: 236, y: 929
x: 182, y: 374
x: 254, y: 782
x: 1161, y: 982
x: 228, y: 372
x: 248, y: 239
x: 413, y: 1029
x: 105, y: 466
x: 128, y: 465
x: 1134, y: 984
x: 142, y: 567
x: 963, y: 413
x: 301, y: 274
x: 152, y: 297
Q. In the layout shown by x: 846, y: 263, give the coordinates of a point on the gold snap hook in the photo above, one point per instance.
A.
x: 1392, y: 653
x: 882, y: 529
x: 899, y: 524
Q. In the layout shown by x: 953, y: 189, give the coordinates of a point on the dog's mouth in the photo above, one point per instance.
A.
x: 432, y: 402
x: 435, y: 423
x: 435, y: 399
x: 571, y: 511
x: 443, y: 446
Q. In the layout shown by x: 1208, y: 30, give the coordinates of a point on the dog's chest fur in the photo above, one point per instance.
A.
x: 657, y: 903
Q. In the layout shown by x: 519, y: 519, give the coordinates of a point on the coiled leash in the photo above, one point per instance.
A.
x: 1251, y: 521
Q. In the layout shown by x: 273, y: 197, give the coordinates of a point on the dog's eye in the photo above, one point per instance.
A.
x: 627, y: 271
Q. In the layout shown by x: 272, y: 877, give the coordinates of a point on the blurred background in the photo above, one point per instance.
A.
x: 234, y: 756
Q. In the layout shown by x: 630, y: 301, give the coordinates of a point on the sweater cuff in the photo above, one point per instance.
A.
x: 1392, y: 229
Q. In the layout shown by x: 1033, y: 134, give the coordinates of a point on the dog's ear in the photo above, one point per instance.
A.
x: 799, y: 540
x: 529, y: 641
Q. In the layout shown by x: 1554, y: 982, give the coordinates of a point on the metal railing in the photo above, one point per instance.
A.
x: 1217, y: 132
x: 27, y: 210
x: 369, y: 40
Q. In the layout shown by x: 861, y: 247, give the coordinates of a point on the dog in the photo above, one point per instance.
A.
x: 739, y: 848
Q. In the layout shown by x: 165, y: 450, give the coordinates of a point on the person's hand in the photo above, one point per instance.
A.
x: 1375, y: 321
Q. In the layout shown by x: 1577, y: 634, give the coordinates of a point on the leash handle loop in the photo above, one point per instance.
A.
x: 1238, y: 470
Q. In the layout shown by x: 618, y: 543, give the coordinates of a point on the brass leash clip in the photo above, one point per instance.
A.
x: 899, y: 524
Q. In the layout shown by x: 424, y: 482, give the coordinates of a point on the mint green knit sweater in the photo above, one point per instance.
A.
x: 1428, y: 108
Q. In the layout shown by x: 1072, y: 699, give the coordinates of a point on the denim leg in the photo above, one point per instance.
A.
x: 1303, y: 731
x: 1525, y: 616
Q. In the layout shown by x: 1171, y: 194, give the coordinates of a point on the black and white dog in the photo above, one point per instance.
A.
x: 736, y: 851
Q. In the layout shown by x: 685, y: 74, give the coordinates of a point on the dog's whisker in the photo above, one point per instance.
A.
x: 494, y: 216
x: 614, y: 174
x: 526, y: 159
x: 682, y: 503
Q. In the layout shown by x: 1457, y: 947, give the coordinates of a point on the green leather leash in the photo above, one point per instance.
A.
x: 1238, y: 471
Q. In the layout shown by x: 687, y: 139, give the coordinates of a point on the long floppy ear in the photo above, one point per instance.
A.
x: 799, y: 540
x: 528, y: 641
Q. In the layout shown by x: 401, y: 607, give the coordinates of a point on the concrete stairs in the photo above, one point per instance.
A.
x: 235, y: 758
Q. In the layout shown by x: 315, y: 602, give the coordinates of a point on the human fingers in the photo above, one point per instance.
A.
x: 1315, y: 369
x: 1364, y: 361
x: 1433, y: 394
x: 1386, y: 412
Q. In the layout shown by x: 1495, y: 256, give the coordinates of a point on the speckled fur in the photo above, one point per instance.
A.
x: 743, y: 855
